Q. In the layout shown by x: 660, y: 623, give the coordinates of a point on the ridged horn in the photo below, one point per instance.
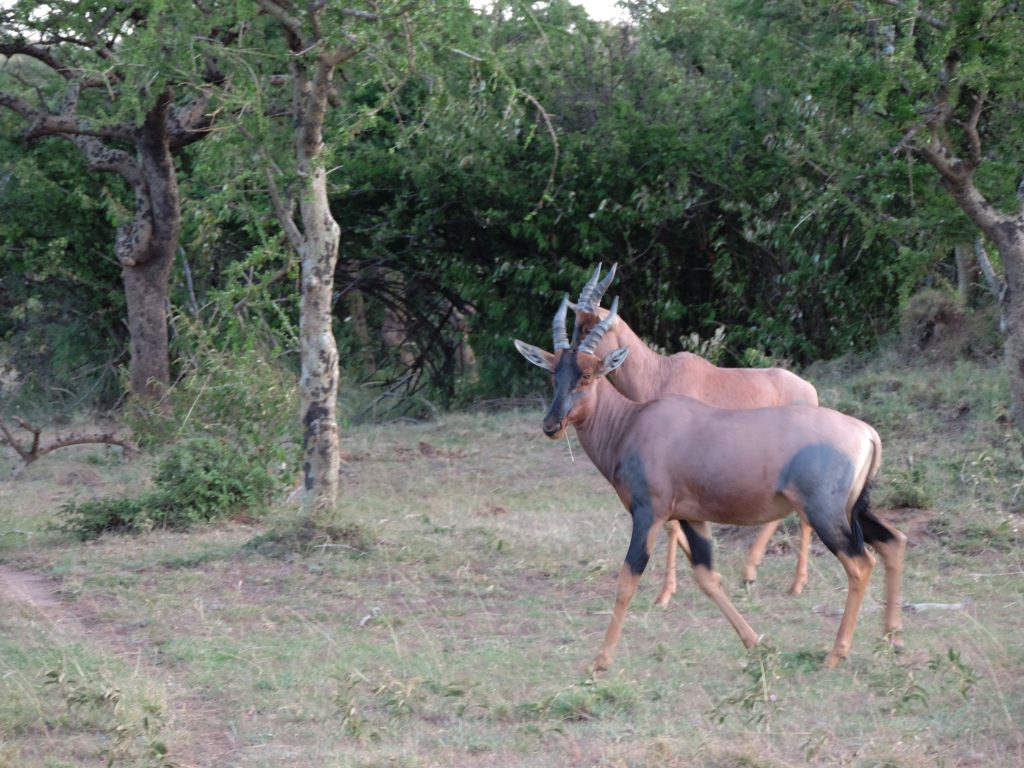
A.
x: 560, y: 340
x: 583, y: 302
x: 594, y: 290
x: 598, y: 331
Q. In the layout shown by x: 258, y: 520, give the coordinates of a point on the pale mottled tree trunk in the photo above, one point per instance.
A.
x: 318, y: 381
x: 315, y: 237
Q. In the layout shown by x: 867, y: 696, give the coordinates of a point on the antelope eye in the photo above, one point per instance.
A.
x: 587, y: 376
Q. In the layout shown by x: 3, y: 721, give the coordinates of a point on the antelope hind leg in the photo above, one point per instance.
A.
x: 674, y: 536
x: 756, y: 552
x: 890, y: 544
x: 858, y: 571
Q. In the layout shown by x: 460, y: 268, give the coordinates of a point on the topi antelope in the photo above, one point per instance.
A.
x: 646, y: 374
x: 676, y: 458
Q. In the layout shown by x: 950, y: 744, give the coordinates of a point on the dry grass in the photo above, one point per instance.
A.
x: 460, y: 639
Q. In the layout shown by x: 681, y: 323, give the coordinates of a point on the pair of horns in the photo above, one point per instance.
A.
x: 561, y: 340
x: 594, y: 290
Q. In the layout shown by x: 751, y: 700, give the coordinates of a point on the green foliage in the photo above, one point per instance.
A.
x: 231, y: 384
x: 754, y: 698
x: 59, y: 283
x: 199, y: 480
x: 734, y: 157
x: 230, y: 429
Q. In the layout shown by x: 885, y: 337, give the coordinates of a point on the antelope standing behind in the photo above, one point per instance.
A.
x: 676, y: 458
x: 645, y: 375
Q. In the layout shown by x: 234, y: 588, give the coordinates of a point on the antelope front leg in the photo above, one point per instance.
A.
x: 710, y: 583
x: 640, y: 545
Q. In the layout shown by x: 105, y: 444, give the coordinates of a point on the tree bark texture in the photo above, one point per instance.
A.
x: 316, y: 238
x: 318, y: 381
x: 145, y: 249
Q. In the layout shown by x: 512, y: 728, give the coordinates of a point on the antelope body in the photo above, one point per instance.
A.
x: 675, y: 458
x: 645, y: 375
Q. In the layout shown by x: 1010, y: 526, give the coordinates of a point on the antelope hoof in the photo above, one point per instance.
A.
x: 751, y: 641
x: 895, y: 638
x: 833, y: 659
x: 601, y: 663
x: 748, y: 584
x: 664, y: 598
x: 797, y: 587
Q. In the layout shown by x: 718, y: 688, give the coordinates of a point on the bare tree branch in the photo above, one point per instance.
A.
x: 36, y: 450
x: 288, y: 21
x: 971, y: 129
x: 285, y: 213
x: 45, y: 55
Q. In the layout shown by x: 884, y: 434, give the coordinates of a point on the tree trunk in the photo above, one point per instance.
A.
x: 966, y: 272
x: 1007, y: 233
x: 318, y: 382
x: 145, y: 249
x: 1011, y: 248
x: 318, y: 247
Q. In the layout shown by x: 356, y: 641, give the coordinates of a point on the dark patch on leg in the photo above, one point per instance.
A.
x: 700, y: 548
x: 874, y: 530
x: 629, y: 473
x: 637, y: 556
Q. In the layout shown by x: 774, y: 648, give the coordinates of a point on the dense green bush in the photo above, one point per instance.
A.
x: 199, y: 480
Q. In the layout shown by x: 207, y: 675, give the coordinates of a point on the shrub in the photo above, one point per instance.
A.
x: 200, y: 479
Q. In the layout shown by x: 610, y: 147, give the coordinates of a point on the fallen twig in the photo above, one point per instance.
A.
x: 919, y: 607
x: 36, y: 450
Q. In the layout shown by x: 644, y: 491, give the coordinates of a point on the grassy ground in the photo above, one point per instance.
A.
x: 461, y: 638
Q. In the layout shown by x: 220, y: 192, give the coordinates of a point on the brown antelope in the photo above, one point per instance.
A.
x: 676, y: 458
x: 646, y: 374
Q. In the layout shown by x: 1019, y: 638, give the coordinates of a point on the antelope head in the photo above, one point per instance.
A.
x: 575, y: 369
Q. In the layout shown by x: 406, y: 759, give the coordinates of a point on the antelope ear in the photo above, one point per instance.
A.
x: 613, y: 360
x: 535, y: 355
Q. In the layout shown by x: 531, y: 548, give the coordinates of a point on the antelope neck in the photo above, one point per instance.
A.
x: 640, y: 377
x: 607, y: 423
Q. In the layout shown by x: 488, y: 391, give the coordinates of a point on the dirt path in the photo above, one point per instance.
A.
x: 208, y: 746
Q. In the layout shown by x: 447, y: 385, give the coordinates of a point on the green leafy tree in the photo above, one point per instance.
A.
x: 60, y: 283
x: 129, y: 86
x: 305, y: 71
x: 954, y: 89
